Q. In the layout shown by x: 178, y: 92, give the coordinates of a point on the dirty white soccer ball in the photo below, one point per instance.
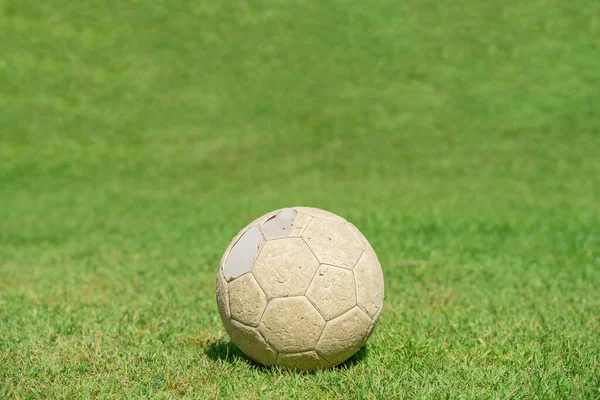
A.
x: 300, y: 287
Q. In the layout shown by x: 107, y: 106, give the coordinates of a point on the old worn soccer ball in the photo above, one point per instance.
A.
x: 301, y: 288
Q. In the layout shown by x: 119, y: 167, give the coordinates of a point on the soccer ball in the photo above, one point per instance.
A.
x: 301, y: 288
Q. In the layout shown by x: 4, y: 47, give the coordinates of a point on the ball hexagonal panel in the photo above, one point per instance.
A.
x: 250, y: 341
x: 223, y: 299
x: 246, y: 300
x: 307, y: 361
x: 260, y: 220
x: 241, y: 255
x: 332, y: 291
x: 286, y: 223
x: 252, y: 224
x: 343, y: 336
x: 333, y: 242
x: 317, y: 212
x: 285, y: 267
x: 361, y: 238
x: 373, y: 324
x: 300, y: 223
x: 291, y: 324
x: 369, y: 283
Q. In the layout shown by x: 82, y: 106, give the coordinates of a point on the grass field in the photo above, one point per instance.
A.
x: 138, y: 137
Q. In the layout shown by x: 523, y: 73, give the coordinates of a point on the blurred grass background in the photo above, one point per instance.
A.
x: 136, y: 138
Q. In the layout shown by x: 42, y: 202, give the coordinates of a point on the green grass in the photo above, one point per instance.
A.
x: 137, y: 138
